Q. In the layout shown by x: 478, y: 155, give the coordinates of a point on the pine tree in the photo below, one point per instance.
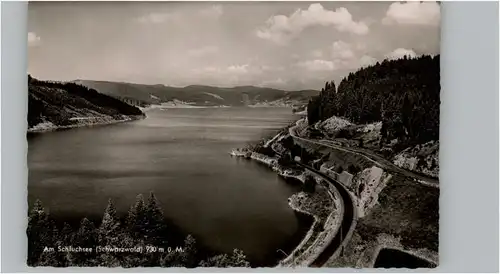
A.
x: 187, y: 258
x: 219, y: 261
x: 109, y: 235
x: 190, y: 251
x: 110, y: 225
x: 155, y: 221
x: 239, y: 259
x: 136, y: 219
x: 333, y: 87
x: 67, y: 238
x: 39, y: 232
x: 86, y: 237
x: 54, y: 258
x: 236, y: 259
x: 176, y: 259
x: 67, y: 234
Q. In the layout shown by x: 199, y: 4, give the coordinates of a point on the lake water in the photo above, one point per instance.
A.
x: 183, y: 156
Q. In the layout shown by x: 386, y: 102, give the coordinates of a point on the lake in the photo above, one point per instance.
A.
x: 183, y: 156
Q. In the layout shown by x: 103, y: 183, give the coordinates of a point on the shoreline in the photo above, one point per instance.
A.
x: 192, y: 106
x: 330, y: 225
x: 50, y: 127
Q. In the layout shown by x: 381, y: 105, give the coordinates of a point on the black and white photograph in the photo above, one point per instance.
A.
x: 233, y: 134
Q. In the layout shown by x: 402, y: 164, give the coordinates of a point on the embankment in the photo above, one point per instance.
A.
x: 387, y: 202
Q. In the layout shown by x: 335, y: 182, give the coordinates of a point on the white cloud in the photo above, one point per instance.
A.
x: 272, y: 68
x: 157, y: 17
x: 33, y: 39
x: 197, y: 52
x: 317, y: 65
x: 350, y: 56
x: 205, y: 70
x: 413, y: 13
x: 361, y: 46
x: 400, y: 53
x: 366, y: 61
x: 237, y: 74
x: 342, y: 50
x: 273, y: 83
x: 240, y: 69
x: 281, y: 28
x: 317, y: 53
x: 213, y: 11
x: 229, y: 70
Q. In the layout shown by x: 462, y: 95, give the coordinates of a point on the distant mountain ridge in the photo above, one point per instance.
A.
x: 199, y: 95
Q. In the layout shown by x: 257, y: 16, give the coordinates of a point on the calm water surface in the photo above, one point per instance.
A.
x: 181, y: 155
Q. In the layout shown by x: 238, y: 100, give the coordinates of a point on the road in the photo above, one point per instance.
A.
x: 348, y: 220
x: 346, y: 224
x: 379, y: 161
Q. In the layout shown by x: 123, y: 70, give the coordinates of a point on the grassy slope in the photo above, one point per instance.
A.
x: 406, y: 211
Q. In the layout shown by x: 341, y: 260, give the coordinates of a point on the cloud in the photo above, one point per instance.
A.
x: 33, y: 39
x: 157, y: 17
x: 236, y: 74
x: 273, y: 83
x: 239, y: 69
x: 213, y: 11
x: 361, y: 46
x: 280, y: 28
x: 400, y: 53
x: 271, y: 68
x: 413, y: 13
x: 207, y: 70
x: 229, y: 70
x: 317, y: 65
x: 366, y: 61
x: 197, y: 52
x: 348, y: 56
x: 343, y: 56
x: 317, y: 53
x: 342, y: 50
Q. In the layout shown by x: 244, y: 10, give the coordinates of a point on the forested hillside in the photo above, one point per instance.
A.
x: 403, y: 94
x: 67, y: 104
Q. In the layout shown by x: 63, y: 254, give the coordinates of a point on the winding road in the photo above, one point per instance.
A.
x: 346, y: 225
x: 348, y: 219
x: 377, y: 160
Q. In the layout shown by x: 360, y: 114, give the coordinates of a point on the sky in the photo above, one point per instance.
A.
x: 286, y: 45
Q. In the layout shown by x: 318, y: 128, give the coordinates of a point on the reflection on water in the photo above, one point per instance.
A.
x: 181, y: 155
